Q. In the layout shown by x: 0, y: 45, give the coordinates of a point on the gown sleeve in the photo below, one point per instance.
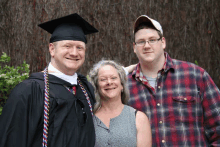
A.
x: 21, y: 115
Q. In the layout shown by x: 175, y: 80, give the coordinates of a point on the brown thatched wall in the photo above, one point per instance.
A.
x: 191, y: 28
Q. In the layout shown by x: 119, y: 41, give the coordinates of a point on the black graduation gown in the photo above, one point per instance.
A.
x: 21, y: 122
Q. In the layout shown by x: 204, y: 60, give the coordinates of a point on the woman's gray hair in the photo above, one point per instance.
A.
x: 93, y: 78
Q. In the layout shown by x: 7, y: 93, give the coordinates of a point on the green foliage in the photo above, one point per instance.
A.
x: 10, y: 77
x: 196, y: 62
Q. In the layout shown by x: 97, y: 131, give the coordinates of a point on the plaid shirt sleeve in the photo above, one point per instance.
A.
x: 211, y: 105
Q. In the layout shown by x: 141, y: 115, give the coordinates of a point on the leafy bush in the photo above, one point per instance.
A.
x: 10, y: 77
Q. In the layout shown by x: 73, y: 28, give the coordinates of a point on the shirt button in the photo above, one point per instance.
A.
x: 158, y: 104
x: 161, y: 122
x: 185, y: 99
x: 163, y: 141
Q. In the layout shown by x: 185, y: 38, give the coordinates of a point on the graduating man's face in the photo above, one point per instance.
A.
x: 67, y: 55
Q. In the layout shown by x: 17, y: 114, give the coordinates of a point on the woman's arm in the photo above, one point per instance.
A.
x: 144, y: 137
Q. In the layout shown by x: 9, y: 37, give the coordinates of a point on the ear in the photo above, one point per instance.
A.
x: 122, y: 88
x: 51, y: 49
x: 134, y: 47
x: 163, y: 42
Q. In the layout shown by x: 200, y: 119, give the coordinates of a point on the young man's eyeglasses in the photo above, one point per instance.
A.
x: 150, y: 42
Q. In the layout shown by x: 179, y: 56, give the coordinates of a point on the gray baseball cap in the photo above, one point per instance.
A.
x: 147, y: 19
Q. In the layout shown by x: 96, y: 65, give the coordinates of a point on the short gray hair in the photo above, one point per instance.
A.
x: 93, y: 78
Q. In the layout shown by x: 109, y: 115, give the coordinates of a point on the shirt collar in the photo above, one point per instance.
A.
x: 168, y: 64
x: 71, y: 79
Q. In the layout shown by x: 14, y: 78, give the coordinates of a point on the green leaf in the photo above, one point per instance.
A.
x: 196, y: 62
x: 1, y: 110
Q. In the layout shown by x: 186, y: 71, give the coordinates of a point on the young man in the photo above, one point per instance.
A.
x: 180, y: 99
x: 54, y: 108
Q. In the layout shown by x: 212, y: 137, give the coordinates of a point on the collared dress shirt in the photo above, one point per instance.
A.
x: 183, y: 108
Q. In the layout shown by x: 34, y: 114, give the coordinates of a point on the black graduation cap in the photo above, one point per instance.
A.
x: 70, y: 27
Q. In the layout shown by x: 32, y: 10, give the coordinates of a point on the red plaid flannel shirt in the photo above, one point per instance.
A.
x: 184, y: 107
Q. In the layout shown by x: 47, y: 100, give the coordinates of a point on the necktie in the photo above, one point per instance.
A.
x: 72, y: 89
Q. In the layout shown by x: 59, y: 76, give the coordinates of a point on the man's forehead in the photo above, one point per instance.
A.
x: 146, y: 33
x: 74, y: 42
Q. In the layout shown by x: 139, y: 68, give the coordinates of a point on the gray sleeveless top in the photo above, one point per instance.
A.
x: 122, y: 130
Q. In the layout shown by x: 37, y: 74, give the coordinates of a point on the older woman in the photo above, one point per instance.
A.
x: 116, y: 124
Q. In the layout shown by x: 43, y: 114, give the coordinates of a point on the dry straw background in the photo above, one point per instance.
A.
x: 191, y: 28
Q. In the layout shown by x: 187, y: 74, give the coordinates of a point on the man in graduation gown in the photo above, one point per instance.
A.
x: 58, y: 114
